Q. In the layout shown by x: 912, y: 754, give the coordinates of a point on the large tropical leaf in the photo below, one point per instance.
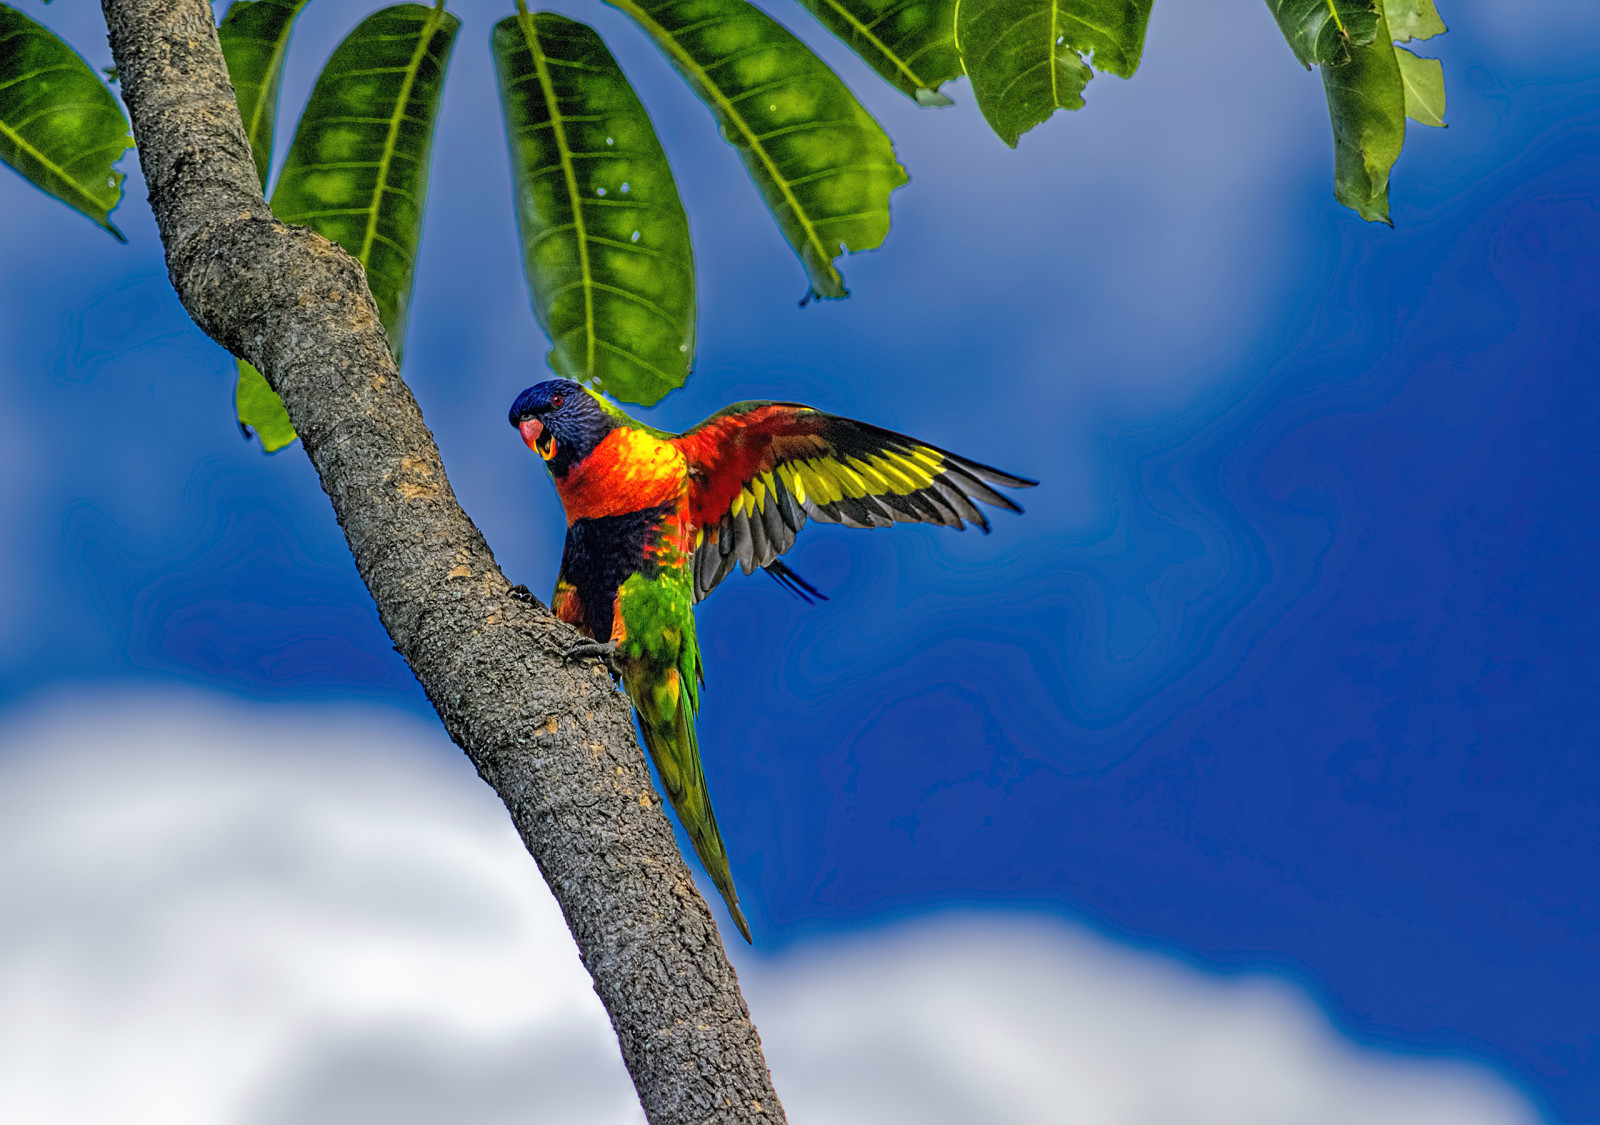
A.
x: 822, y: 163
x: 912, y: 43
x: 1323, y: 31
x: 604, y: 237
x: 255, y: 37
x: 59, y: 125
x: 357, y: 171
x: 1367, y: 104
x: 1029, y: 58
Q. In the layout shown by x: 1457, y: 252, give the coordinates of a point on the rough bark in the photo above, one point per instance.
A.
x: 553, y: 738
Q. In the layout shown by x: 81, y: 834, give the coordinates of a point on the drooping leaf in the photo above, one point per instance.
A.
x: 1424, y: 83
x: 60, y: 127
x: 912, y: 43
x: 1413, y: 19
x: 1029, y: 58
x: 1367, y: 104
x: 260, y: 410
x: 1324, y: 31
x: 821, y: 162
x: 605, y: 239
x: 357, y: 172
x: 255, y: 37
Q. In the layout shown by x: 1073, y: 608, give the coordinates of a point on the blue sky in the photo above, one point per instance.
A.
x: 1289, y: 668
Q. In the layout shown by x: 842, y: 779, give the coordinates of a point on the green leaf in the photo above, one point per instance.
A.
x: 605, y: 241
x: 357, y: 172
x: 1324, y: 31
x: 60, y: 128
x: 1413, y: 19
x: 261, y: 410
x: 1367, y: 104
x: 1029, y: 58
x: 1424, y: 83
x: 821, y: 162
x: 912, y: 43
x: 255, y: 37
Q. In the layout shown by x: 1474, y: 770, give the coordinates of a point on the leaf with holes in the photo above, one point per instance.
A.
x: 357, y: 172
x: 255, y: 37
x: 1367, y: 105
x: 605, y: 240
x: 912, y: 43
x: 1324, y: 31
x: 1029, y: 58
x: 60, y: 128
x: 821, y: 162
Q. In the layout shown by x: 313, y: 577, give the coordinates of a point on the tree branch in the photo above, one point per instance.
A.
x: 554, y: 739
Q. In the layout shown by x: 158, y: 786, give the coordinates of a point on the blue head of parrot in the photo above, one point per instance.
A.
x: 561, y: 422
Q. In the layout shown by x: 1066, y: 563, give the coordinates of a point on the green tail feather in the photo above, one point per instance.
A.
x: 676, y: 752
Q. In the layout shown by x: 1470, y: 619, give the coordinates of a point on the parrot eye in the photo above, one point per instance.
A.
x: 556, y: 401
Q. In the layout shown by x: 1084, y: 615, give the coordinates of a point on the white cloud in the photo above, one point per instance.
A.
x: 220, y: 913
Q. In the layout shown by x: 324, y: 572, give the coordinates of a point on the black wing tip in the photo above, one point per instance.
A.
x: 991, y: 475
x: 784, y: 576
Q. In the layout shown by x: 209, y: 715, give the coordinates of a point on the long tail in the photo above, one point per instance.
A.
x: 666, y: 716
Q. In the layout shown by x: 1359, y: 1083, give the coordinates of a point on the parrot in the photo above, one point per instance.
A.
x: 656, y: 520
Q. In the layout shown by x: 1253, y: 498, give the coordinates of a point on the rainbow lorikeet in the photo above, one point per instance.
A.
x: 656, y: 520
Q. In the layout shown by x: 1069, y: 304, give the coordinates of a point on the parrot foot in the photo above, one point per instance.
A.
x: 606, y: 652
x: 523, y: 594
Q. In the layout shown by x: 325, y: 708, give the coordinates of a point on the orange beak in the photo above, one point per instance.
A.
x: 535, y: 437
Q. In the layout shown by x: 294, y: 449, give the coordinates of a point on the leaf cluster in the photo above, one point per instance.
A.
x: 605, y: 237
x: 1372, y: 84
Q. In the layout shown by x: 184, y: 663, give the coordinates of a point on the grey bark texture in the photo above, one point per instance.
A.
x: 553, y: 738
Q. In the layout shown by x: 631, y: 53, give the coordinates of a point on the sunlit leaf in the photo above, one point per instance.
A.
x: 912, y: 43
x: 604, y: 237
x: 357, y: 171
x: 1029, y: 58
x: 821, y: 162
x: 1424, y: 84
x: 260, y: 410
x: 1367, y: 103
x: 1413, y: 19
x: 255, y: 37
x: 60, y: 127
x: 1324, y: 31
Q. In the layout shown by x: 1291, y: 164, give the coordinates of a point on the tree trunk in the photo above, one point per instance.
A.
x: 553, y: 738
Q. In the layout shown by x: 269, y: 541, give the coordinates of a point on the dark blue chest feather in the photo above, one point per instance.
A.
x: 601, y: 555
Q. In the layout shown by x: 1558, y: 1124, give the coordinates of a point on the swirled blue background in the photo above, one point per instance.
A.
x: 1294, y: 659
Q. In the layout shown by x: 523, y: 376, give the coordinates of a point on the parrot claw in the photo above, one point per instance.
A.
x: 606, y: 652
x: 523, y: 594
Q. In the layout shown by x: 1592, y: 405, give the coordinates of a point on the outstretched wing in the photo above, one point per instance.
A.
x: 759, y: 470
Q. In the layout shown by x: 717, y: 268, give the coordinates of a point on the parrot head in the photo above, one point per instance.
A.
x: 561, y: 421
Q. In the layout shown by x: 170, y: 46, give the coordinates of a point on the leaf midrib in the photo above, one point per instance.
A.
x: 390, y: 141
x: 558, y: 130
x: 60, y: 172
x: 866, y: 32
x: 685, y: 60
x: 1333, y: 10
x: 1055, y: 91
